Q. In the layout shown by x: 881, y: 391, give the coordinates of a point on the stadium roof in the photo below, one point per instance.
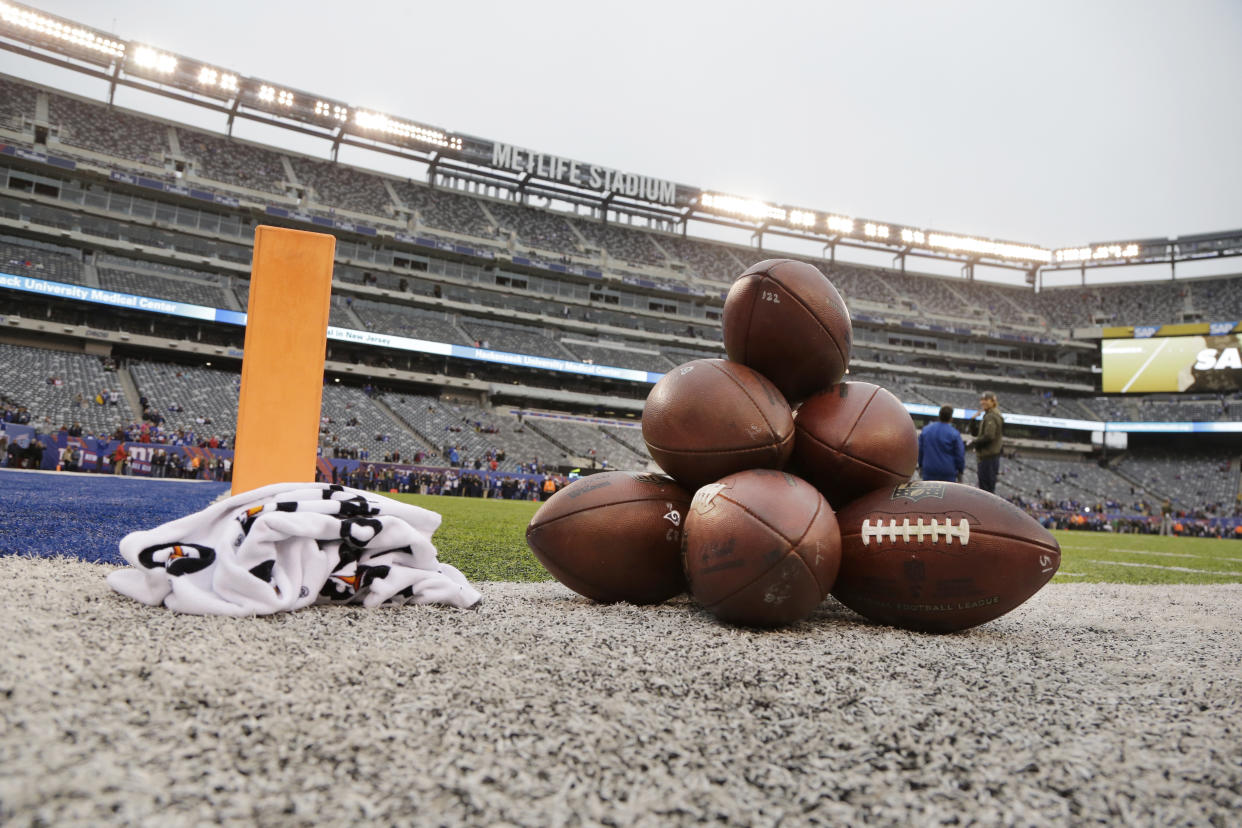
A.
x: 72, y: 45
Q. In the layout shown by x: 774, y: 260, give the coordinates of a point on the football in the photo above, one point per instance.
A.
x: 614, y: 536
x: 711, y: 417
x: 940, y: 557
x: 852, y: 439
x: 785, y: 319
x: 761, y: 548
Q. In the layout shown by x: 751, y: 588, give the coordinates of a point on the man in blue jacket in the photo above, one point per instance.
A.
x: 942, y: 454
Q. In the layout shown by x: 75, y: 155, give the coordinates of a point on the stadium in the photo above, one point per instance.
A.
x: 498, y: 317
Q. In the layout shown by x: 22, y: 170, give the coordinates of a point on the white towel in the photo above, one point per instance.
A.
x: 287, y: 546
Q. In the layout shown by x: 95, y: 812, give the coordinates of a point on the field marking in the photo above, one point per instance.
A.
x: 1149, y: 552
x: 1166, y: 554
x: 1168, y: 568
x: 1143, y: 367
x: 1073, y: 574
x: 104, y: 475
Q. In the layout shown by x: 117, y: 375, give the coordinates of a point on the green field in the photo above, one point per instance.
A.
x: 1098, y: 557
x: 486, y: 540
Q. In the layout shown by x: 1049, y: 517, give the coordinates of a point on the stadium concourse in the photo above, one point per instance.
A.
x: 548, y: 326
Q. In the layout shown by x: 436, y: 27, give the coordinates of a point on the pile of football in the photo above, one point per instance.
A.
x: 785, y: 483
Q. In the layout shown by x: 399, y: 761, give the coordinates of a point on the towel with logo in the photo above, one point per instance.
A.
x: 287, y: 546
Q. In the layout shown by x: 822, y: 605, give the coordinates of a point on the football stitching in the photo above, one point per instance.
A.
x: 767, y: 525
x: 758, y: 408
x: 984, y: 533
x: 907, y: 530
x: 679, y: 452
x: 811, y: 313
x: 550, y: 521
x: 820, y: 442
x: 819, y: 506
x: 750, y: 321
x: 861, y: 412
x: 778, y: 562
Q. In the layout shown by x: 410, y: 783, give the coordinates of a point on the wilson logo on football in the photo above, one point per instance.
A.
x: 907, y: 531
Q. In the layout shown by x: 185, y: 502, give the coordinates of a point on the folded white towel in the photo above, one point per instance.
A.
x: 287, y: 546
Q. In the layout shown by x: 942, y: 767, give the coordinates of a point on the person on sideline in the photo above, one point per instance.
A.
x: 988, y: 443
x: 942, y: 454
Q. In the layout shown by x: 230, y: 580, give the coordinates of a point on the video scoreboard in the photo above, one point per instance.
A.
x: 1209, y: 362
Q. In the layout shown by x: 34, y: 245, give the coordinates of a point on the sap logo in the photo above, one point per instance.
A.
x: 1221, y: 328
x: 1145, y: 331
x: 1210, y: 359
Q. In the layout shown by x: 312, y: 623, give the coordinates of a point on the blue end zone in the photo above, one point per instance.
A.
x: 86, y: 515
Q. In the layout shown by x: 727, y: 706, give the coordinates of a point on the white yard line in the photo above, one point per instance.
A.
x: 1162, y: 554
x: 1149, y: 552
x: 1168, y: 568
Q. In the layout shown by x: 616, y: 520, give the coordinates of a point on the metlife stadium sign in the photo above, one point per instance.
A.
x: 587, y: 176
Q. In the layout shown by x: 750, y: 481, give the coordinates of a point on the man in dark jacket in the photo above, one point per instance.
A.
x: 987, y: 444
x: 942, y: 454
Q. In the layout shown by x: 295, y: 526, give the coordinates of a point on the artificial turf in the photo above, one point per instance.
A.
x: 85, y: 516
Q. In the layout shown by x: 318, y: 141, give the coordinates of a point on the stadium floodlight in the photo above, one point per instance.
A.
x: 214, y: 80
x: 1073, y: 254
x: 913, y: 236
x: 333, y: 111
x: 745, y: 207
x: 58, y: 31
x: 1103, y: 251
x: 144, y: 57
x: 402, y: 129
x: 802, y: 218
x: 840, y: 224
x: 875, y: 231
x: 986, y: 247
x: 270, y: 94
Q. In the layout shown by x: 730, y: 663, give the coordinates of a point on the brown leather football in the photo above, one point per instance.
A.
x: 761, y: 548
x: 712, y: 417
x: 785, y: 319
x: 614, y: 536
x: 940, y: 557
x: 852, y: 439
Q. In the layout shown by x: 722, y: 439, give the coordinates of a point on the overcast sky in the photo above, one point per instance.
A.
x: 1055, y: 123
